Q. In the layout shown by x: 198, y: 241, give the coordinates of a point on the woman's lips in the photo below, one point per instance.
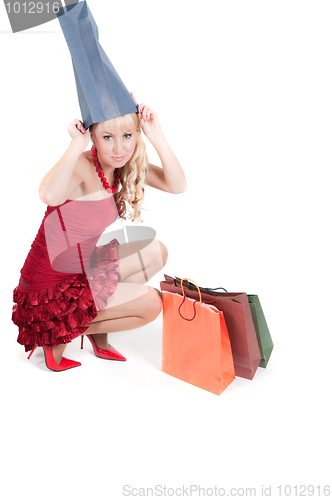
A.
x: 118, y: 158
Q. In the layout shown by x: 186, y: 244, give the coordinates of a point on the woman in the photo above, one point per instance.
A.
x: 68, y: 286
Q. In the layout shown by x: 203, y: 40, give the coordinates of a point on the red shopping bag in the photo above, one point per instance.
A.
x: 196, y: 346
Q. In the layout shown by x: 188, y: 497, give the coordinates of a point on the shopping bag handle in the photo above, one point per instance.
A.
x: 206, y: 288
x: 199, y: 292
x: 184, y: 297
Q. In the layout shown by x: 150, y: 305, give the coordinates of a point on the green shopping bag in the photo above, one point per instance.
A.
x: 262, y: 331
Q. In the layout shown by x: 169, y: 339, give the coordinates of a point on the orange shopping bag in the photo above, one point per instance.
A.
x: 196, y: 346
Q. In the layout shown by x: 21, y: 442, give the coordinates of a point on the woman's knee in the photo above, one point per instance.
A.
x: 163, y: 251
x: 158, y: 254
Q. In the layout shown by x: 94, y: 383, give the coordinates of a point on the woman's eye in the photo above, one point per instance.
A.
x: 126, y: 136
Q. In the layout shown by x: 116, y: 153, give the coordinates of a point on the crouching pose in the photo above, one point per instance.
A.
x: 70, y: 287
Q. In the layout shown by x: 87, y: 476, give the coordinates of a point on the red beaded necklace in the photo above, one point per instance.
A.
x: 101, y: 174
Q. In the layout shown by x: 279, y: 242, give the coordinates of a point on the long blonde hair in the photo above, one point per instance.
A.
x: 133, y: 174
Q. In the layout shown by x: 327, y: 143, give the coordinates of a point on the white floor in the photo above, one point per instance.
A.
x: 111, y: 429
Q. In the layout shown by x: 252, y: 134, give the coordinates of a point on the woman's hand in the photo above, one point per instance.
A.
x: 148, y: 121
x: 78, y: 133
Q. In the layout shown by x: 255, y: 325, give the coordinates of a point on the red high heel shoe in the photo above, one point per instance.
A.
x: 50, y: 362
x: 110, y: 353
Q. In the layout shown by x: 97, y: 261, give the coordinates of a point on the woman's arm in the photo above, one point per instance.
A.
x: 63, y: 178
x: 170, y: 177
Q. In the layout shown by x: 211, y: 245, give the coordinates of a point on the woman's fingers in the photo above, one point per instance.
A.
x: 145, y: 111
x: 78, y: 125
x: 77, y: 132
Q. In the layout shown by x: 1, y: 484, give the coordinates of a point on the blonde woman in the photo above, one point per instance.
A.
x: 69, y: 287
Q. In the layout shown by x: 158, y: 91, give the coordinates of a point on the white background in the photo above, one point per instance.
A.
x: 243, y: 93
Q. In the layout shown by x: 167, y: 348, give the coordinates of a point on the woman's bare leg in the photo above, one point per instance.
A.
x: 131, y: 306
x: 139, y: 261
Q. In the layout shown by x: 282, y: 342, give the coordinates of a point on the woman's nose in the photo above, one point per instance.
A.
x: 117, y: 146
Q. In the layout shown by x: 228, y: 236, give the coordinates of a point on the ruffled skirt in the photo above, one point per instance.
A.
x: 58, y: 314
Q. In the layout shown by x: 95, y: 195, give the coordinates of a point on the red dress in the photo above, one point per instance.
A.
x: 66, y: 279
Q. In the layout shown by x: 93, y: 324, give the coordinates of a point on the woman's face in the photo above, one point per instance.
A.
x: 114, y: 147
